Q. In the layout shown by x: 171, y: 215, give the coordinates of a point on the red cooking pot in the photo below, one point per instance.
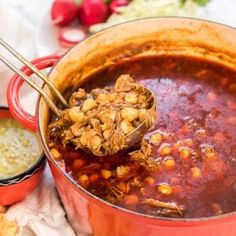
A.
x: 148, y: 37
x: 16, y: 188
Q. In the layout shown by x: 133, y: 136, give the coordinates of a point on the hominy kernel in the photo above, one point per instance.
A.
x: 124, y: 187
x: 165, y: 189
x: 131, y: 97
x: 76, y: 115
x: 201, y: 132
x: 107, y: 134
x: 208, y: 151
x: 83, y: 139
x: 122, y: 171
x: 109, y: 115
x: 142, y: 98
x: 143, y: 114
x: 126, y: 127
x: 131, y: 200
x: 196, y: 172
x: 103, y: 98
x: 84, y: 180
x: 106, y: 126
x: 112, y: 97
x: 95, y: 142
x: 55, y: 153
x: 52, y: 144
x: 88, y: 104
x: 129, y: 113
x: 150, y: 181
x: 156, y: 139
x: 211, y: 156
x: 185, y: 153
x: 169, y: 163
x: 165, y: 149
x: 112, y: 115
x: 75, y: 130
x: 106, y: 174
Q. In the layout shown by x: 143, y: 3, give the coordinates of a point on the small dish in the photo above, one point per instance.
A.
x: 16, y: 188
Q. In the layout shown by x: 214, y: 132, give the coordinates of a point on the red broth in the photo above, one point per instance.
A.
x: 196, y: 122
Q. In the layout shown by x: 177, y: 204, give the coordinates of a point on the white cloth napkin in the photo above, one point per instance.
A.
x: 41, y: 212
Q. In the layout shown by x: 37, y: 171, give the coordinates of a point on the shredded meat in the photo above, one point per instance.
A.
x: 171, y: 206
x: 144, y: 157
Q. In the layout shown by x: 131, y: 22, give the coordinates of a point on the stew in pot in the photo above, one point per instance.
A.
x: 185, y: 166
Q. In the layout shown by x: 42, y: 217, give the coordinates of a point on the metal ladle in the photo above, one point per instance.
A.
x: 131, y: 138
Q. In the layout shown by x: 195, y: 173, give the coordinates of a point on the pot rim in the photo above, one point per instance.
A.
x: 195, y: 221
x: 26, y: 174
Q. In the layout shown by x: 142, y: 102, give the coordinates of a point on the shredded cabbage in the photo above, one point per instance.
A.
x: 149, y: 8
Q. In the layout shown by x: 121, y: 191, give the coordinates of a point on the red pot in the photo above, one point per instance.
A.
x: 155, y: 36
x: 15, y: 189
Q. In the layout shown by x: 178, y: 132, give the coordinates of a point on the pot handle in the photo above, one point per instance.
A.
x: 13, y: 89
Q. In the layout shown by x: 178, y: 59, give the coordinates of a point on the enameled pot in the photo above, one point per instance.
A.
x: 148, y: 37
x: 16, y: 188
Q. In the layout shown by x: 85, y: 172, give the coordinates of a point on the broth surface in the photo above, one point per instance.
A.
x: 197, y: 125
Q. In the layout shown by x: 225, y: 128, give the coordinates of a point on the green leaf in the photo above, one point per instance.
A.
x: 182, y: 1
x: 201, y: 2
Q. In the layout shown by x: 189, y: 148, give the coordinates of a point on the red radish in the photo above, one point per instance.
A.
x: 93, y: 12
x: 115, y: 4
x: 70, y: 36
x: 63, y: 12
x: 65, y: 44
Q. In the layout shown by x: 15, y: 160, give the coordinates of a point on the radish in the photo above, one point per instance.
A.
x: 116, y: 4
x: 63, y: 12
x: 70, y: 36
x: 93, y: 12
x: 66, y: 45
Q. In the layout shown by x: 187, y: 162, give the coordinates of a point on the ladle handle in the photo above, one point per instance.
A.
x: 15, y: 107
